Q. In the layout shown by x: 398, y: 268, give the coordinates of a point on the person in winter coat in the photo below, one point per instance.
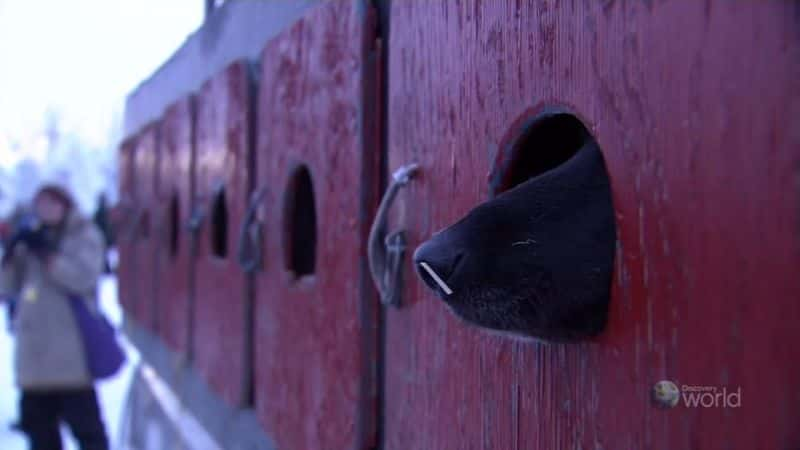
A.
x: 51, y: 256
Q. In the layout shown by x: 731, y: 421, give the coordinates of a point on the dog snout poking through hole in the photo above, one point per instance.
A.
x: 536, y: 260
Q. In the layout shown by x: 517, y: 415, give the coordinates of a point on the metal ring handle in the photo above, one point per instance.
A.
x: 385, y: 252
x: 250, y: 233
x: 196, y: 220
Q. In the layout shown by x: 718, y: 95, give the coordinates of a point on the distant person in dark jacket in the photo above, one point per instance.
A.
x: 103, y: 222
x: 53, y: 254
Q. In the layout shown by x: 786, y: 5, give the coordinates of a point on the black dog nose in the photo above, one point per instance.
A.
x: 436, y: 263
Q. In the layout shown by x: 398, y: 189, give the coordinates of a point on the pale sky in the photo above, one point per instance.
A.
x: 81, y: 57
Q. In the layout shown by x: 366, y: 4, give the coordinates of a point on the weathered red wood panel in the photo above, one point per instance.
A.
x: 124, y: 215
x: 174, y: 197
x: 315, y: 320
x: 145, y: 243
x: 694, y: 105
x: 222, y: 174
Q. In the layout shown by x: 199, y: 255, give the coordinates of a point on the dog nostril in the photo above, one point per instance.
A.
x: 432, y: 279
x: 436, y: 265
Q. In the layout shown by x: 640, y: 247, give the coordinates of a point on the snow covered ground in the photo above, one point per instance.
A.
x: 112, y: 392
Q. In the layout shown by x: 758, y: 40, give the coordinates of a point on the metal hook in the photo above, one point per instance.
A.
x: 196, y: 220
x: 250, y: 233
x: 385, y: 252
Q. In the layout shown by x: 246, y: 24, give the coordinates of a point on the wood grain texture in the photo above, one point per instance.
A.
x: 145, y: 244
x: 694, y: 106
x: 176, y: 183
x: 311, y: 356
x: 123, y: 218
x: 222, y: 160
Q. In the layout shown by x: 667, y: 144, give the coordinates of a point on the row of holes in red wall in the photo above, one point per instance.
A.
x: 300, y: 224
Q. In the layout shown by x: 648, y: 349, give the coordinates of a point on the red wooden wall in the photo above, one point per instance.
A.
x: 174, y: 258
x: 693, y: 105
x: 313, y: 364
x: 145, y: 242
x: 688, y: 101
x: 222, y: 168
x: 124, y: 217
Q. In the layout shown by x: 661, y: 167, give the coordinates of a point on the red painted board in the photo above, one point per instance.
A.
x: 123, y: 218
x: 694, y: 105
x: 144, y: 240
x: 222, y: 166
x: 173, y: 254
x: 313, y: 327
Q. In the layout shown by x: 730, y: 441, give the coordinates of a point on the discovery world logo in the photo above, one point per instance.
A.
x: 666, y: 394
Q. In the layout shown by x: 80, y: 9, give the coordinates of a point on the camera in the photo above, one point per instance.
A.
x: 28, y: 229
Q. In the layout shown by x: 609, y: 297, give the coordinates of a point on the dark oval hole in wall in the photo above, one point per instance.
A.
x: 174, y: 226
x: 219, y: 225
x: 300, y: 227
x: 542, y: 144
